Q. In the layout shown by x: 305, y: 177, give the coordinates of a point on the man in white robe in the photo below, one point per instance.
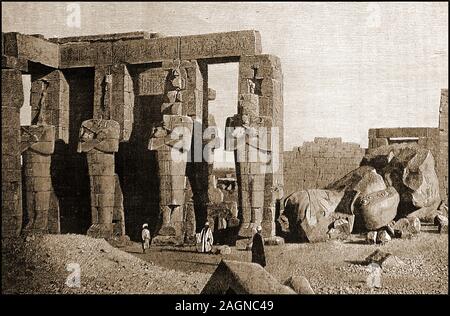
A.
x: 206, y: 239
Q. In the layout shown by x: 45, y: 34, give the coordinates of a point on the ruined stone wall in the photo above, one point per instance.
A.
x: 316, y: 164
x: 424, y: 136
x: 443, y: 145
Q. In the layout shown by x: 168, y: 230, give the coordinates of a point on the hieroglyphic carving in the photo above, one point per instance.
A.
x: 220, y: 45
x: 152, y: 82
x: 145, y: 50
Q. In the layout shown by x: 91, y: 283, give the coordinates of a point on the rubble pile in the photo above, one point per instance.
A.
x: 393, y: 190
x: 48, y: 264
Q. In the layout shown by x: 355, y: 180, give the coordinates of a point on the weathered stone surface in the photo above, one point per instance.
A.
x: 274, y: 241
x: 383, y: 236
x: 152, y: 82
x: 172, y: 139
x: 442, y: 223
x: 243, y: 278
x: 31, y: 48
x: 299, y: 284
x: 100, y: 139
x: 145, y: 50
x: 340, y: 229
x: 379, y: 208
x: 371, y: 237
x: 114, y: 97
x: 407, y: 227
x: 37, y: 143
x: 49, y: 102
x: 103, y: 37
x: 15, y: 63
x: 442, y: 158
x: 318, y: 163
x: 12, y: 100
x: 311, y: 212
x: 230, y: 44
x: 410, y: 169
x: 243, y: 244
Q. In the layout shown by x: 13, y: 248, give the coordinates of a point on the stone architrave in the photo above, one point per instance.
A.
x: 37, y: 146
x: 99, y: 139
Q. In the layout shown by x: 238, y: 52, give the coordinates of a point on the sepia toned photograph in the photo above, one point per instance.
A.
x: 277, y: 148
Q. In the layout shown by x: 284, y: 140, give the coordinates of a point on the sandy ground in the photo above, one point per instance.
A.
x: 334, y: 267
x: 39, y: 265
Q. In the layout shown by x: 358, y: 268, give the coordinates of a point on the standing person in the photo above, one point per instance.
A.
x: 145, y: 237
x: 258, y: 255
x: 206, y: 238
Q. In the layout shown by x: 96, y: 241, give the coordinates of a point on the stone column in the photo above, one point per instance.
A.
x: 12, y: 101
x: 172, y: 141
x: 249, y: 141
x: 262, y: 74
x: 99, y: 139
x: 37, y: 146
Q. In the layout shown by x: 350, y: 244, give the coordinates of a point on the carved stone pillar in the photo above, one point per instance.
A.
x: 12, y: 101
x: 172, y: 141
x: 262, y: 74
x: 99, y: 139
x: 37, y: 146
x: 248, y: 138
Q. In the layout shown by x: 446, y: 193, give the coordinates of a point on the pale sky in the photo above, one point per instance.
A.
x: 347, y: 67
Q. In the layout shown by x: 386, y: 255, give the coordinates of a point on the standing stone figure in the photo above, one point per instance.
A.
x: 145, y: 237
x: 247, y: 136
x: 99, y: 139
x: 206, y: 239
x: 171, y: 140
x: 258, y: 255
x: 37, y: 146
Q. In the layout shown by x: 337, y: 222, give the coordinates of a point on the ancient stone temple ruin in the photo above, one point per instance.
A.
x: 121, y: 135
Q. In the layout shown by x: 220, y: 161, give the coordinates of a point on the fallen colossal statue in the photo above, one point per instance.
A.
x: 391, y: 183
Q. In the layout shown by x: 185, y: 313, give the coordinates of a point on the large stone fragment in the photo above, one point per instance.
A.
x: 410, y: 169
x: 311, y: 212
x: 299, y: 284
x: 383, y: 237
x: 442, y: 223
x: 371, y: 237
x: 379, y: 208
x: 407, y: 227
x: 235, y: 277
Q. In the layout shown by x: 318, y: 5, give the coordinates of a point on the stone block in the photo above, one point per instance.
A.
x: 152, y: 82
x: 143, y: 51
x: 31, y: 48
x: 230, y: 44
